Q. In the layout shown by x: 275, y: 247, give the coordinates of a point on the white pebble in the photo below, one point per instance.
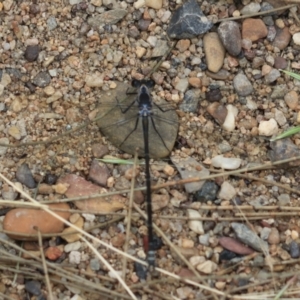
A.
x: 229, y: 123
x: 138, y: 4
x: 296, y: 38
x: 268, y: 128
x: 195, y: 225
x: 227, y: 191
x: 6, y: 46
x: 74, y: 257
x: 196, y: 260
x: 89, y: 217
x: 228, y: 163
x: 72, y: 246
x: 207, y: 267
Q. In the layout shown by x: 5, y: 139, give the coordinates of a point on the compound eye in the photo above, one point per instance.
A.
x: 136, y: 83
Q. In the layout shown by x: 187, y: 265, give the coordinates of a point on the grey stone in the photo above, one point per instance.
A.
x: 51, y: 23
x: 188, y: 168
x: 42, y: 79
x: 190, y: 101
x: 230, y: 35
x: 24, y: 176
x: 294, y: 249
x: 249, y: 237
x: 242, y: 85
x: 188, y: 21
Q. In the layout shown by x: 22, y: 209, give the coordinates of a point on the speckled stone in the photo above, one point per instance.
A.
x: 214, y: 51
x: 230, y: 35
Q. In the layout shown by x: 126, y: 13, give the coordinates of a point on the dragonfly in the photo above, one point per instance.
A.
x: 145, y: 114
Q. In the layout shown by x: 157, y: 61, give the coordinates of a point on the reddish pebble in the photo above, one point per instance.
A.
x: 118, y: 240
x: 185, y: 273
x: 234, y: 246
x: 26, y: 220
x: 254, y: 29
x: 53, y: 253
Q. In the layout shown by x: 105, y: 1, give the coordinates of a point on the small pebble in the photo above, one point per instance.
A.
x: 268, y: 128
x: 99, y: 172
x: 284, y: 199
x: 182, y: 85
x: 14, y: 131
x: 3, y: 149
x: 234, y: 246
x: 254, y: 29
x: 74, y: 257
x: 24, y: 176
x: 207, y: 267
x: 274, y: 237
x: 33, y: 287
x: 31, y: 53
x: 265, y: 232
x: 73, y: 237
x: 213, y: 95
x: 291, y: 99
x: 99, y: 150
x: 156, y: 4
x: 294, y: 249
x: 280, y: 62
x: 272, y: 76
x: 183, y: 45
x: 53, y: 253
x: 282, y: 38
x: 42, y: 79
x: 227, y: 163
x: 227, y: 191
x: 296, y: 38
x: 195, y: 225
x: 218, y: 112
x: 95, y: 264
x: 229, y: 122
x: 230, y: 35
x: 214, y: 51
x: 250, y: 8
x: 190, y: 167
x: 208, y: 192
x: 204, y: 239
x: 184, y: 292
x: 242, y: 85
x: 249, y: 237
x: 72, y: 246
x: 51, y: 23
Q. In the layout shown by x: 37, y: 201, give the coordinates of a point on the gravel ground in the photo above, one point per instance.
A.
x: 58, y: 61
